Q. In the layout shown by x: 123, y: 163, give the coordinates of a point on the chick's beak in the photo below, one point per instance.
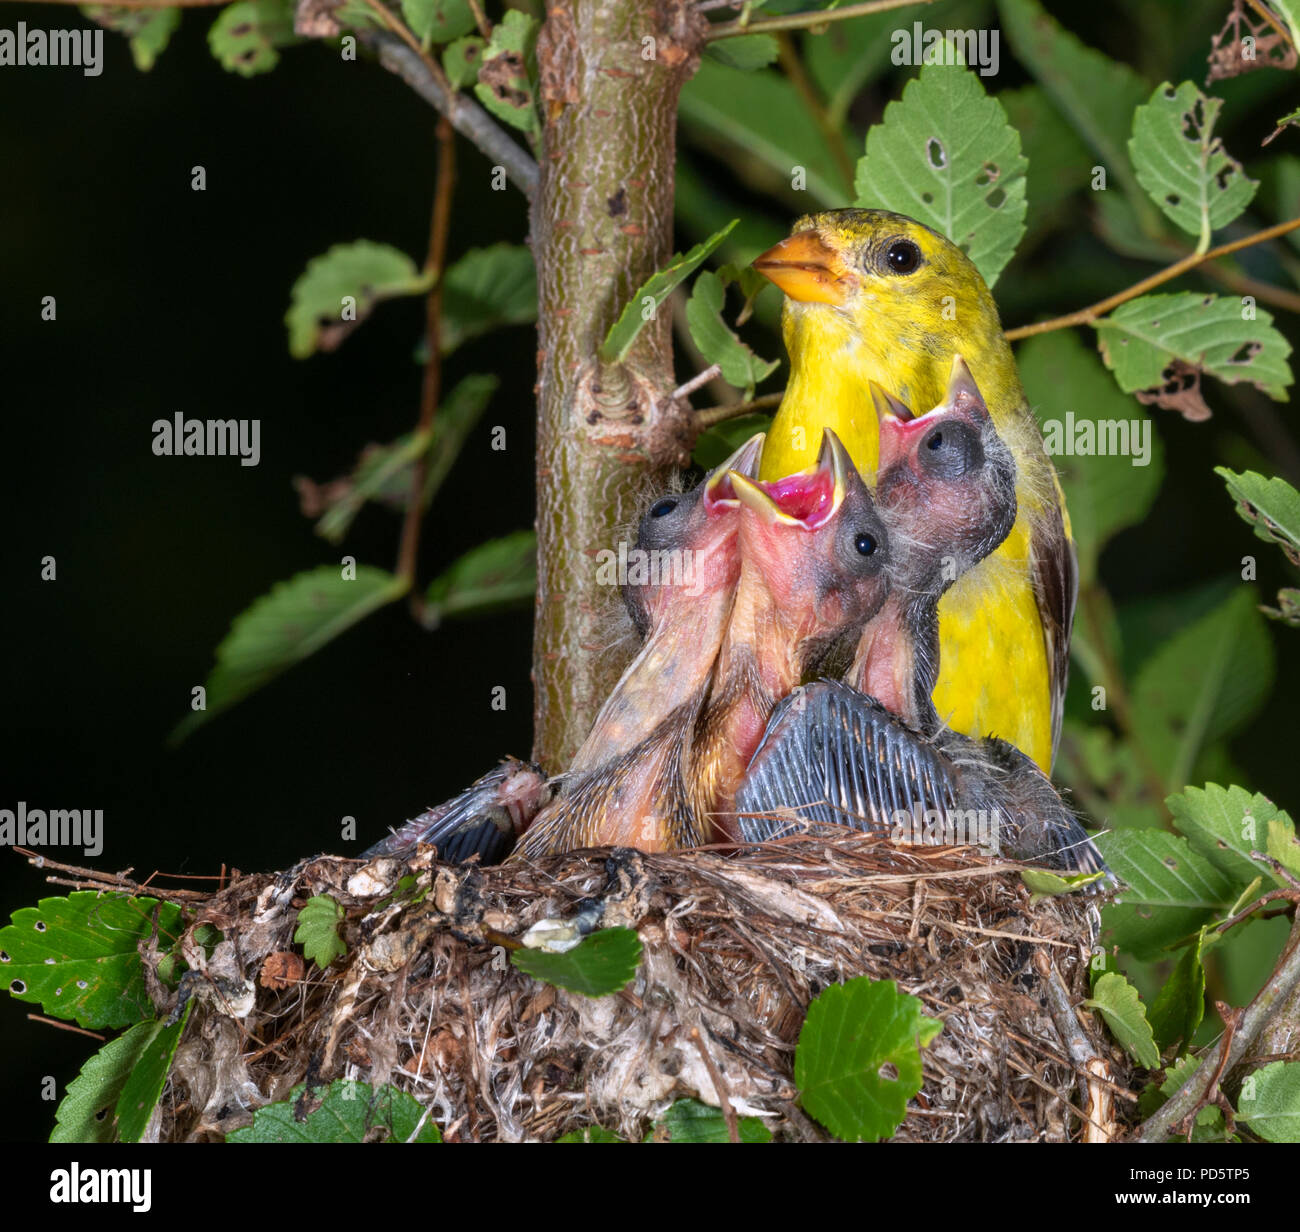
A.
x: 962, y: 393
x: 719, y: 489
x: 807, y: 499
x: 807, y: 269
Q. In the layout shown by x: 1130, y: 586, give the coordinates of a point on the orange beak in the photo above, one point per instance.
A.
x: 807, y: 269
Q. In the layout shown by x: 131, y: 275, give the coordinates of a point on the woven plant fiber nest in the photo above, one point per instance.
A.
x: 735, y: 946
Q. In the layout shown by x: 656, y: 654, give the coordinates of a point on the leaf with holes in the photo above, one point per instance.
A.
x: 462, y: 60
x: 1142, y: 340
x: 507, y: 80
x: 599, y: 965
x: 287, y: 625
x: 497, y: 576
x: 1270, y: 506
x: 346, y: 1112
x: 1119, y: 1004
x: 1080, y: 411
x: 1225, y: 824
x: 1169, y: 890
x: 148, y: 31
x: 318, y: 930
x: 1183, y: 166
x: 438, y: 21
x: 946, y: 156
x: 645, y: 303
x: 339, y: 289
x: 1270, y: 1101
x: 244, y: 38
x: 1202, y: 684
x: 689, y: 1120
x: 717, y: 343
x: 858, y: 1060
x: 78, y: 957
x: 86, y: 1113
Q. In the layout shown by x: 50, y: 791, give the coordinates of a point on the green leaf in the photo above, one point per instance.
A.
x: 1179, y: 1006
x: 1095, y: 93
x: 1081, y: 412
x: 288, y: 625
x: 438, y: 21
x: 245, y: 36
x: 487, y: 288
x: 1270, y: 506
x: 1043, y: 884
x: 1170, y: 891
x: 689, y: 1120
x: 148, y: 31
x: 1183, y: 166
x: 1143, y: 338
x: 499, y: 575
x: 858, y: 1060
x: 1282, y: 844
x: 1121, y: 1007
x: 746, y: 52
x: 383, y: 472
x: 758, y: 123
x: 318, y: 930
x: 1225, y: 825
x: 349, y: 1112
x: 1202, y: 684
x: 599, y: 965
x: 590, y: 1133
x: 1059, y: 165
x: 506, y: 82
x: 87, y: 1112
x: 78, y: 957
x: 144, y: 1085
x: 945, y: 155
x: 717, y: 343
x: 1270, y: 1101
x: 658, y: 287
x: 338, y: 290
x: 462, y: 60
x: 1288, y: 607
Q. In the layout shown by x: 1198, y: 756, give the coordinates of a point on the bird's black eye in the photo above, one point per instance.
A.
x: 952, y: 451
x: 660, y: 508
x: 865, y: 544
x: 902, y: 257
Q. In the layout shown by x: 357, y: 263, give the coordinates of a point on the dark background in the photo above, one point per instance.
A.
x: 173, y: 300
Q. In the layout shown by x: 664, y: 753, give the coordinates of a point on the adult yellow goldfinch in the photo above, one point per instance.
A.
x: 873, y: 296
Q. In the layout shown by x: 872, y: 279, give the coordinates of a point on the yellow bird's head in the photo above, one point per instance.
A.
x: 876, y: 296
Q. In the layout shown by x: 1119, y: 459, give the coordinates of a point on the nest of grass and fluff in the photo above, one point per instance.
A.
x: 735, y: 947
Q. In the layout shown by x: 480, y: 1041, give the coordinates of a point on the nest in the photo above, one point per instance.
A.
x: 735, y: 947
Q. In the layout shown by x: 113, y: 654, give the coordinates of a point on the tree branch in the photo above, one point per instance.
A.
x: 711, y: 415
x: 466, y: 116
x: 1086, y: 316
x: 802, y: 21
x: 1192, y: 1094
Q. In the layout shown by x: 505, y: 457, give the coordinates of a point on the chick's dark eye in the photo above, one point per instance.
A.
x: 902, y: 257
x: 935, y: 441
x: 865, y: 544
x: 952, y: 452
x: 660, y: 508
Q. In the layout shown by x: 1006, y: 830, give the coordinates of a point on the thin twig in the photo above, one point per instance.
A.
x: 431, y: 389
x: 480, y: 19
x: 1228, y: 1051
x: 466, y: 116
x: 66, y: 1026
x: 719, y: 1087
x: 700, y: 378
x: 1086, y: 316
x: 719, y: 414
x: 802, y: 21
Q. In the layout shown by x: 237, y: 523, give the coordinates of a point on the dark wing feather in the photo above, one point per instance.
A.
x: 1056, y: 587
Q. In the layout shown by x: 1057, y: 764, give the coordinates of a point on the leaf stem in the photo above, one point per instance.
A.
x: 804, y: 21
x: 431, y: 389
x: 1086, y: 316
